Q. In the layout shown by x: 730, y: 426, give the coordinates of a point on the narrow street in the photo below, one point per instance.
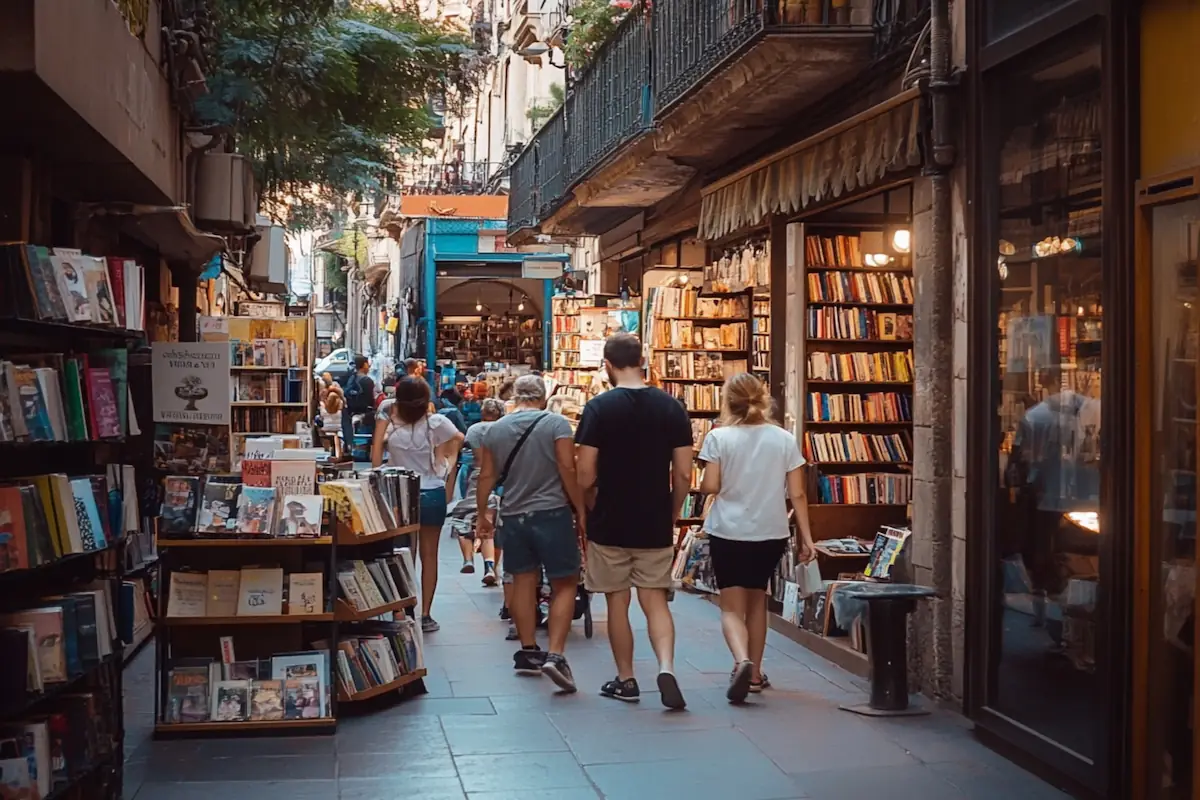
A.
x: 486, y: 734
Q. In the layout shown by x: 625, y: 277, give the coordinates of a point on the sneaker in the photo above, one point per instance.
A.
x: 512, y: 633
x: 529, y: 661
x: 429, y: 625
x: 468, y: 567
x: 504, y: 615
x: 489, y: 576
x: 739, y: 682
x: 672, y: 697
x: 557, y: 670
x: 618, y: 689
x: 763, y: 682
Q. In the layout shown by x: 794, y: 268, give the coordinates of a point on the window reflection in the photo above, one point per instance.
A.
x: 1175, y: 241
x: 1050, y: 334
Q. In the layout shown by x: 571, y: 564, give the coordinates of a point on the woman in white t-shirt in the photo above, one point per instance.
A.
x: 752, y: 466
x: 427, y: 443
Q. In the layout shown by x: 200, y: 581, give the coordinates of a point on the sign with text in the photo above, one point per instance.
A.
x: 191, y: 382
x: 540, y: 268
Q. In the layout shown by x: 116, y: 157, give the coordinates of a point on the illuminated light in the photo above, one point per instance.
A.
x: 1002, y: 267
x: 1079, y: 313
x: 683, y: 279
x: 1088, y: 520
x: 902, y: 240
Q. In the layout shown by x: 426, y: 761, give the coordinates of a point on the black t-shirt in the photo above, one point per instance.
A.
x: 636, y: 432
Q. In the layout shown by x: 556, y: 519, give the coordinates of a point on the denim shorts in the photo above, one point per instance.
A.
x: 433, y: 507
x: 545, y: 538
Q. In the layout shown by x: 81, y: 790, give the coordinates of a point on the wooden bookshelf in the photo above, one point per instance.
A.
x: 264, y: 619
x: 383, y: 688
x: 509, y: 337
x: 263, y: 541
x: 574, y: 319
x: 344, y: 612
x: 282, y: 727
x: 347, y: 538
x: 855, y: 381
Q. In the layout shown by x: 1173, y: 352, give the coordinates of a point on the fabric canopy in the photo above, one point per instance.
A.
x: 846, y: 157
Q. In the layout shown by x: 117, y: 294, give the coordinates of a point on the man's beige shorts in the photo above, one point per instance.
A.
x: 615, y: 569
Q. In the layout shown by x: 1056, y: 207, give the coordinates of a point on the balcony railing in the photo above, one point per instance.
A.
x: 551, y: 166
x: 522, y: 191
x: 611, y: 98
x: 456, y: 177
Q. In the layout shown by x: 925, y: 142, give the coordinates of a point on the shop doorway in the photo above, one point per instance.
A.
x: 496, y: 321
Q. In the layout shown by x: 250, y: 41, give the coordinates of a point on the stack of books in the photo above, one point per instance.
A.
x: 226, y: 506
x: 65, y: 285
x: 857, y: 447
x: 56, y: 641
x: 383, y: 657
x: 288, y: 686
x: 367, y: 585
x: 870, y: 407
x: 245, y: 592
x: 55, y: 398
x: 893, y: 367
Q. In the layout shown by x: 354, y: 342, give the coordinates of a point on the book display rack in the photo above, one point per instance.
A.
x: 580, y: 324
x: 285, y: 596
x: 68, y: 507
x: 508, y: 338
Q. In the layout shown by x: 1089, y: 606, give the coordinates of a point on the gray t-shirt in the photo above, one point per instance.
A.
x: 533, y: 482
x: 474, y: 441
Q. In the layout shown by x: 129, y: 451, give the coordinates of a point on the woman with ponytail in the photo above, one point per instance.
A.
x: 417, y: 438
x: 752, y: 468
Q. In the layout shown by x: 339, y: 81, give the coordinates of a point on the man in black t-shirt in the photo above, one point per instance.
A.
x: 634, y: 460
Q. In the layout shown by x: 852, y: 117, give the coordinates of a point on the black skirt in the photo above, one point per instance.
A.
x: 745, y: 565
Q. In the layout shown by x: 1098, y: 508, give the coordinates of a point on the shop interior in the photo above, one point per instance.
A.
x: 490, y: 324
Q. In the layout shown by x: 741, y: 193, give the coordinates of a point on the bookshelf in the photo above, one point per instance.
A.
x: 271, y: 380
x: 338, y: 621
x: 854, y: 422
x: 508, y: 337
x: 67, y: 603
x: 580, y: 324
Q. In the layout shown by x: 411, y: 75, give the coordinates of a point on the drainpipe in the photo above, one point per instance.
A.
x: 938, y: 289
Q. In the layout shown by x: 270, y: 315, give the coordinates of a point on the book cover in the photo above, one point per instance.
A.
x: 219, y: 508
x: 300, y: 515
x: 256, y: 472
x: 256, y: 510
x: 72, y: 286
x: 47, y: 625
x: 294, y: 477
x: 311, y: 666
x: 34, y: 411
x: 99, y: 290
x: 45, y: 286
x: 116, y: 276
x: 187, y: 594
x: 116, y: 360
x: 14, y: 553
x: 223, y: 590
x: 231, y: 701
x: 306, y: 593
x: 178, y: 516
x: 266, y: 700
x: 302, y: 698
x: 87, y: 515
x: 104, y: 414
x: 188, y: 694
x: 77, y: 426
x: 261, y: 592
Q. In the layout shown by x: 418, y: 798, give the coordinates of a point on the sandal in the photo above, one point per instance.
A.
x: 763, y: 682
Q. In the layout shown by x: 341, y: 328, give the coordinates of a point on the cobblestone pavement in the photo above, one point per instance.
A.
x: 486, y: 734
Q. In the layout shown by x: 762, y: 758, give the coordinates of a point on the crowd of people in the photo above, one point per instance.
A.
x: 536, y: 496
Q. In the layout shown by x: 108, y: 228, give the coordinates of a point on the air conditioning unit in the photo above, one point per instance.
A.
x: 225, y: 199
x: 268, y: 259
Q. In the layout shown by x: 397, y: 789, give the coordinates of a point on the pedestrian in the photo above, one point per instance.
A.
x: 428, y: 444
x: 530, y: 456
x: 751, y: 468
x: 635, y: 455
x: 462, y: 518
x: 360, y: 399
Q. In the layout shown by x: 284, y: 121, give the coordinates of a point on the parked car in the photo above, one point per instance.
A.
x: 339, y: 364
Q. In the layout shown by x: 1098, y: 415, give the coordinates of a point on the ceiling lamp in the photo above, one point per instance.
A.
x: 479, y: 305
x: 521, y: 305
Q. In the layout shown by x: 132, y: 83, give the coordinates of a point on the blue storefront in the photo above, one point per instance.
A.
x: 466, y: 269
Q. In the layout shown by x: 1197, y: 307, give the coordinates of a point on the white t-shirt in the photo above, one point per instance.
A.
x: 754, y: 460
x: 412, y: 446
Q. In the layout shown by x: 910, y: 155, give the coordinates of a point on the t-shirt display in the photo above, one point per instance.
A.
x: 754, y: 461
x: 533, y: 482
x: 636, y: 432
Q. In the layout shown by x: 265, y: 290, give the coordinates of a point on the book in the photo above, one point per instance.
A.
x: 302, y: 698
x: 218, y: 512
x: 256, y: 472
x: 260, y: 592
x: 256, y: 510
x: 188, y: 696
x: 266, y: 699
x: 231, y: 701
x: 306, y: 593
x: 179, y: 508
x: 72, y: 284
x: 300, y: 515
x: 46, y: 625
x: 99, y: 290
x: 310, y: 665
x: 187, y: 595
x: 294, y: 477
x: 223, y: 587
x: 88, y: 516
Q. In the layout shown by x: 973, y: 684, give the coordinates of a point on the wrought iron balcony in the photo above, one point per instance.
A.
x: 522, y: 191
x: 611, y: 101
x: 455, y: 177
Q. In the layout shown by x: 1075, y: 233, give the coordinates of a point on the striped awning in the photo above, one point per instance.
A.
x: 851, y: 155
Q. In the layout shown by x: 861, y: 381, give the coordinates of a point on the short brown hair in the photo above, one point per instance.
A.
x: 745, y: 401
x: 623, y: 351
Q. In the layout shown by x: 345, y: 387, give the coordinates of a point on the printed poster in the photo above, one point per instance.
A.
x: 191, y: 382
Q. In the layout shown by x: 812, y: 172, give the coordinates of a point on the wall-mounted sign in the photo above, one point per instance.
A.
x: 541, y: 269
x: 493, y: 241
x: 191, y: 382
x: 247, y: 308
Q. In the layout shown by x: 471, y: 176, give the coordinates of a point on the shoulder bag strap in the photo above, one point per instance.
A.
x: 516, y: 449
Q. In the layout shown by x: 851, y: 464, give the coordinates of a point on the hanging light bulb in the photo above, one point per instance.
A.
x: 901, y: 240
x: 683, y: 279
x: 479, y: 305
x: 521, y: 305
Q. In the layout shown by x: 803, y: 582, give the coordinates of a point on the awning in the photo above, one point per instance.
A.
x: 167, y: 229
x: 848, y: 156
